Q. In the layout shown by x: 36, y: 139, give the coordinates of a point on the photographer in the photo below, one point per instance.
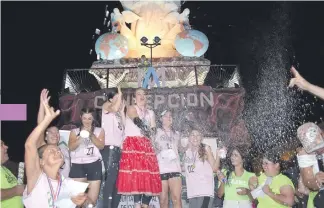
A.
x: 310, y: 160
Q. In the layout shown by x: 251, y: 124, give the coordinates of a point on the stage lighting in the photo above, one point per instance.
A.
x: 156, y: 39
x: 144, y: 40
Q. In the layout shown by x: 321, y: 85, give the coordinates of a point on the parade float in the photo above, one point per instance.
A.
x: 152, y: 45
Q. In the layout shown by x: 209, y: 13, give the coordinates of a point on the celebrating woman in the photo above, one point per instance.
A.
x: 303, y: 84
x: 138, y: 169
x: 44, y: 182
x: 168, y: 142
x: 200, y: 165
x: 52, y: 136
x: 278, y: 188
x: 236, y: 188
x: 113, y: 119
x: 84, y: 144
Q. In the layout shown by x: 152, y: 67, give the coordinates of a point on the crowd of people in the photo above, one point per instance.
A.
x: 142, y: 156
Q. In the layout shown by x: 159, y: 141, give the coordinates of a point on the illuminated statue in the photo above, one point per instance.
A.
x: 150, y: 19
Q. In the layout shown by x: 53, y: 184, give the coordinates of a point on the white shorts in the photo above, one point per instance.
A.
x: 237, y: 204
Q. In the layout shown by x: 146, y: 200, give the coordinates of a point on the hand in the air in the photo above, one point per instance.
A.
x: 298, y: 80
x: 50, y: 114
x: 79, y: 199
x: 44, y: 96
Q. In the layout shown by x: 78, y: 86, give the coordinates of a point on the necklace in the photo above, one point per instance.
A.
x: 194, y: 157
x: 142, y: 115
x: 191, y: 168
x: 168, y: 139
x: 55, y: 194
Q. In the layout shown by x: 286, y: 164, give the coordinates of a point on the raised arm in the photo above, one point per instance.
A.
x: 122, y: 112
x: 32, y: 165
x: 214, y: 163
x: 181, y: 148
x: 113, y: 107
x: 303, y: 84
x: 41, y: 113
x: 153, y: 122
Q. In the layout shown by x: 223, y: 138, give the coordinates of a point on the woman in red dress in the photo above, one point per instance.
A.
x: 139, y: 173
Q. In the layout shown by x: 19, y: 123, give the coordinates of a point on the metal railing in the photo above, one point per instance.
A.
x: 81, y: 78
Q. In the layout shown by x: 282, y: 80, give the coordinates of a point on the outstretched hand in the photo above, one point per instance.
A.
x: 298, y: 80
x: 44, y: 96
x: 50, y: 114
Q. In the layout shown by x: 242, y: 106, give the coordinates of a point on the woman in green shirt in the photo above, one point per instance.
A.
x: 11, y: 192
x: 235, y: 187
x: 278, y: 189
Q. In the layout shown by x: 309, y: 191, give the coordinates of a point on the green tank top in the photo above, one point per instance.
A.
x: 311, y: 197
x: 276, y: 183
x: 237, y: 182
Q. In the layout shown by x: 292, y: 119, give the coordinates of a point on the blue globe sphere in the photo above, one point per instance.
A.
x: 192, y: 43
x: 111, y: 46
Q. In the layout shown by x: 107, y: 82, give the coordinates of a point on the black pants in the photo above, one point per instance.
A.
x: 142, y: 198
x: 111, y: 156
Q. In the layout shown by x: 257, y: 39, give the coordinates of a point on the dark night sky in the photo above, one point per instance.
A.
x: 41, y: 39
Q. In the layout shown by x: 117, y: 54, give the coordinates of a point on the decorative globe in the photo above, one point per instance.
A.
x: 191, y: 43
x: 111, y: 46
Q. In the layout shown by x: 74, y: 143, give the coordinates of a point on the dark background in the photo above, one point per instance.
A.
x: 41, y: 39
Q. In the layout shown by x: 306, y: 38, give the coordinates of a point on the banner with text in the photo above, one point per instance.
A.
x: 216, y: 112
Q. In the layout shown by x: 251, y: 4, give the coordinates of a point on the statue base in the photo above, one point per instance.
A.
x: 172, y: 72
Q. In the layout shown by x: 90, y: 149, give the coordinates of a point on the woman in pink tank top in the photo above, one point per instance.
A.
x: 84, y: 144
x: 168, y: 143
x: 139, y: 173
x: 44, y: 181
x: 113, y: 119
x: 52, y: 137
x: 199, y: 164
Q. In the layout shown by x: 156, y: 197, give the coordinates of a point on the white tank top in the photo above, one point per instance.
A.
x: 40, y: 197
x: 114, y: 130
x: 131, y: 129
x: 199, y: 176
x: 168, y: 141
x: 86, y: 152
x: 145, y: 115
x: 65, y: 168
